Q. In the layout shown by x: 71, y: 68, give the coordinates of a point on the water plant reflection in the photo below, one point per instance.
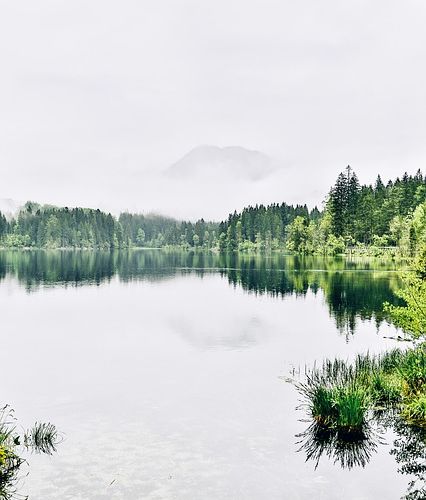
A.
x: 351, y: 406
x: 348, y: 449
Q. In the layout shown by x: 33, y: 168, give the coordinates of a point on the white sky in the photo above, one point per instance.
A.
x: 97, y: 97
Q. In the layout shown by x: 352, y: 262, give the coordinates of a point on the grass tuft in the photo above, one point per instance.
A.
x: 340, y: 396
x: 414, y: 410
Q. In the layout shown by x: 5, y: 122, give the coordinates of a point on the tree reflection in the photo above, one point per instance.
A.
x: 410, y: 454
x: 353, y: 289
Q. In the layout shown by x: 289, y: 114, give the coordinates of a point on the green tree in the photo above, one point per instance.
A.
x: 411, y: 317
x: 298, y: 235
x: 140, y: 238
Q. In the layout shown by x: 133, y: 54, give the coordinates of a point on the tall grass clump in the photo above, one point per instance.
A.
x: 351, y: 403
x: 342, y: 396
x: 335, y: 397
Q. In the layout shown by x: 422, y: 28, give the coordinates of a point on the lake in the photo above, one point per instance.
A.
x: 165, y: 372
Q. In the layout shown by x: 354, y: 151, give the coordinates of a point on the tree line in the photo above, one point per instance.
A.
x: 358, y: 216
x: 261, y: 227
x: 156, y: 231
x: 354, y: 216
x: 52, y: 227
x: 45, y: 226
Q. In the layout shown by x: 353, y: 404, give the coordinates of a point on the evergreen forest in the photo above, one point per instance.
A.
x: 384, y: 217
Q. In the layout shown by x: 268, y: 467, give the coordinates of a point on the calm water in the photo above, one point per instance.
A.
x: 165, y: 371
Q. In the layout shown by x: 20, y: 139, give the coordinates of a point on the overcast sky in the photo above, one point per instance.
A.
x: 98, y: 97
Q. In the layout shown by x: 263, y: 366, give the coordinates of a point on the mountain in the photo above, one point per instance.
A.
x: 233, y: 162
x: 9, y: 208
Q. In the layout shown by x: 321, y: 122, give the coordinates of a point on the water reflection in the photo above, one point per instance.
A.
x: 409, y: 450
x: 355, y: 450
x: 353, y: 289
x: 347, y: 450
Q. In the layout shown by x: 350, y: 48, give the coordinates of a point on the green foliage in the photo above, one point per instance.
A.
x: 351, y: 403
x: 419, y: 224
x: 343, y: 203
x: 411, y: 317
x: 412, y: 370
x: 140, y: 237
x: 262, y: 228
x: 375, y: 215
x: 336, y: 395
x: 322, y: 406
x: 298, y: 235
x: 53, y: 227
x: 157, y: 231
x: 356, y: 217
x: 385, y: 389
x: 341, y: 406
x: 415, y: 409
x: 340, y: 396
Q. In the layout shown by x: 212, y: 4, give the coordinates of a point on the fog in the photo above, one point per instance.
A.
x: 98, y: 99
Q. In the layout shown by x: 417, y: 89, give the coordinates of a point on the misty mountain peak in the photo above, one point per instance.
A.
x: 233, y: 162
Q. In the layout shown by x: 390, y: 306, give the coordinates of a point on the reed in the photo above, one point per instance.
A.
x: 342, y: 396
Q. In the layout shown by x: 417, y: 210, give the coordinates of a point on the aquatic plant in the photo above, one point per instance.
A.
x: 385, y: 389
x: 41, y: 438
x: 340, y: 395
x: 415, y: 410
x: 412, y: 370
x: 351, y: 403
x: 345, y: 401
x: 336, y: 394
x: 322, y: 406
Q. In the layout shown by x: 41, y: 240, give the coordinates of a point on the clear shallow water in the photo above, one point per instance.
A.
x: 164, y: 371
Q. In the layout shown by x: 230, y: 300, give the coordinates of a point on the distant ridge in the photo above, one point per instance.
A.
x: 233, y: 162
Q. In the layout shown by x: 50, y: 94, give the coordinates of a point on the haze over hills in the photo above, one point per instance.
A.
x: 9, y: 207
x: 208, y: 182
x: 232, y: 162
